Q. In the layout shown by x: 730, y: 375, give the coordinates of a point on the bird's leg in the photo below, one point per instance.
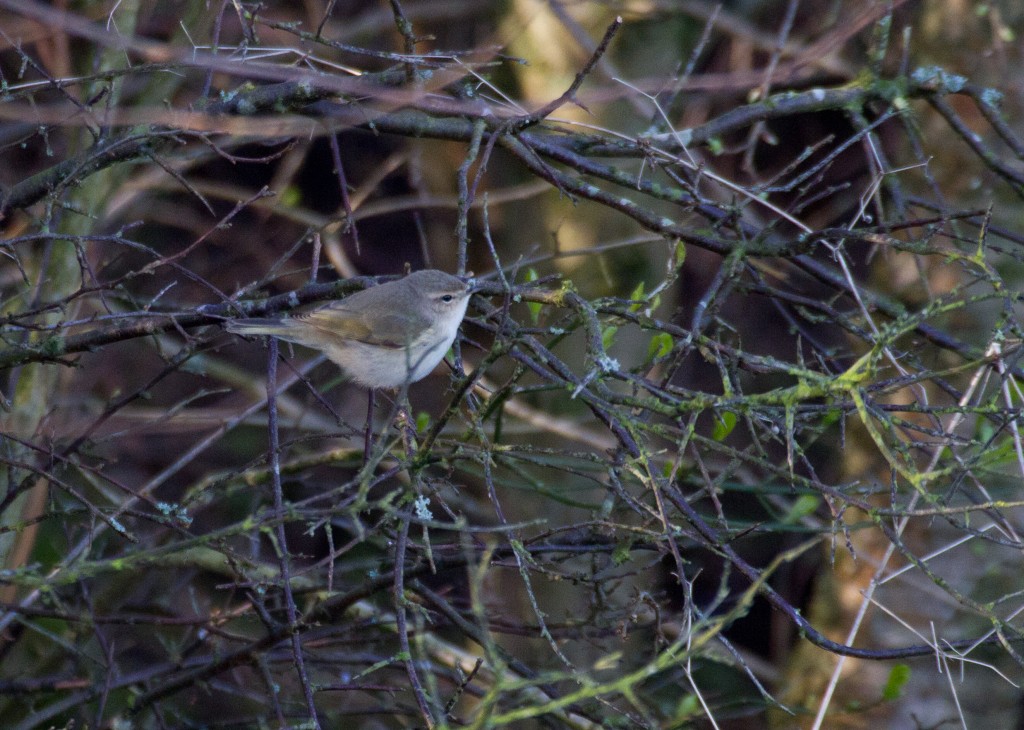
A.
x: 368, y: 439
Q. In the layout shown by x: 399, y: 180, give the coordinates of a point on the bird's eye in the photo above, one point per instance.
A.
x: 447, y: 298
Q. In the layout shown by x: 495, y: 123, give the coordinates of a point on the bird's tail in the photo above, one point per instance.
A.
x: 257, y: 326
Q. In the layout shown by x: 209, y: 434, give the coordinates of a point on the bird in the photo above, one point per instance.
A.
x: 386, y: 336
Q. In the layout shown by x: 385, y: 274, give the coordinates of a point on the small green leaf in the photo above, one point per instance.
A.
x: 680, y: 254
x: 661, y: 345
x: 290, y: 197
x: 688, y: 707
x: 724, y: 425
x: 637, y: 297
x: 803, y: 506
x: 422, y: 421
x: 621, y: 552
x: 608, y: 336
x: 899, y: 675
x: 533, y: 307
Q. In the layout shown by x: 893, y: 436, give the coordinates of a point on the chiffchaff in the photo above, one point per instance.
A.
x: 386, y: 336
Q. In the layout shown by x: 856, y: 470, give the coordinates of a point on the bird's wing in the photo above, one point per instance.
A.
x: 386, y: 330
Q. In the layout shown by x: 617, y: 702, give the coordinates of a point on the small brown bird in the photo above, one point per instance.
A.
x: 386, y: 336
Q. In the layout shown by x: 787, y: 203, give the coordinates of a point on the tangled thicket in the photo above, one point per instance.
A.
x: 741, y: 384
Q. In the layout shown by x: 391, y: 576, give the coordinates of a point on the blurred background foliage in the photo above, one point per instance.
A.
x: 731, y: 438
